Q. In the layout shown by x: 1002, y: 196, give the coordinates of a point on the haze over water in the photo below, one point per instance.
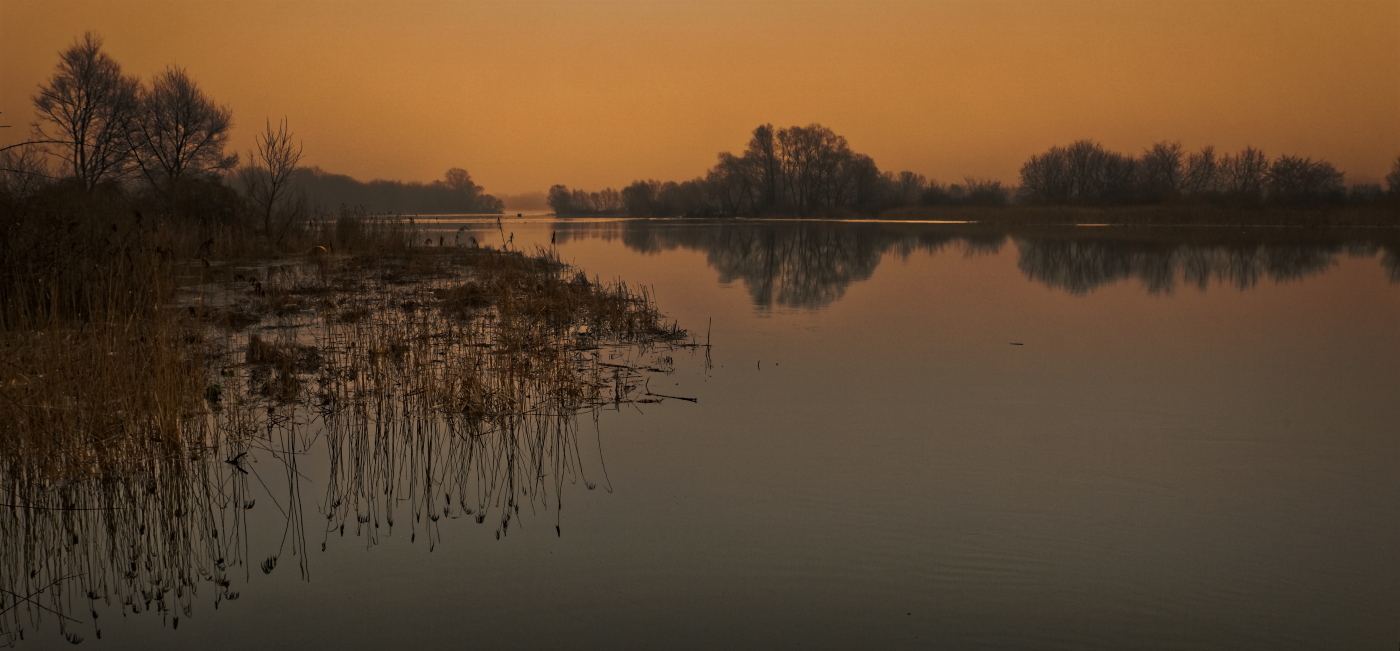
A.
x: 921, y: 438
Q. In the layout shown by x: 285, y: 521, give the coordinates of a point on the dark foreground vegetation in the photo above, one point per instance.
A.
x: 160, y: 148
x: 166, y: 316
x: 445, y: 377
x: 811, y: 171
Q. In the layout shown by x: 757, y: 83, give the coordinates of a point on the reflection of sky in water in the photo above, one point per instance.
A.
x: 871, y: 464
x: 811, y: 264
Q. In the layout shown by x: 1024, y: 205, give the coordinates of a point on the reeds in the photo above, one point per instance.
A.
x: 443, y: 382
x: 96, y: 370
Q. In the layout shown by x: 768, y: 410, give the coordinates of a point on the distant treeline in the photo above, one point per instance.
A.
x: 1084, y: 173
x: 454, y: 193
x: 811, y: 170
x: 104, y: 142
x: 797, y: 170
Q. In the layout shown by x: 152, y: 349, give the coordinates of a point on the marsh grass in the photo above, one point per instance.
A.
x: 443, y: 382
x: 96, y: 372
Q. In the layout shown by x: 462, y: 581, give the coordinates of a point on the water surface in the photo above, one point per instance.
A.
x: 916, y: 436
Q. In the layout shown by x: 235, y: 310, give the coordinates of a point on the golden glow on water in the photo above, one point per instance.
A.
x: 590, y: 94
x: 1192, y: 442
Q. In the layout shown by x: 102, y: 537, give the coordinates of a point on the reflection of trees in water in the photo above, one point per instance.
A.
x: 1081, y: 266
x: 810, y: 264
x: 1389, y: 252
x: 1391, y: 261
x: 806, y: 264
x: 428, y: 401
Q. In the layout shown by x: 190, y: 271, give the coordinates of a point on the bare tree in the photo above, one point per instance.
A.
x: 984, y: 192
x: 1045, y: 178
x: 607, y: 200
x: 180, y: 132
x: 908, y: 187
x: 22, y: 171
x: 88, y: 107
x: 763, y: 151
x: 733, y: 181
x: 1299, y: 180
x: 862, y: 179
x: 267, y: 178
x: 1242, y: 176
x: 811, y: 158
x: 1202, y: 172
x: 1392, y: 180
x: 1162, y: 176
x: 1083, y: 172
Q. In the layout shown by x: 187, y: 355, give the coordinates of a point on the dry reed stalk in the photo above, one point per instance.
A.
x: 450, y: 379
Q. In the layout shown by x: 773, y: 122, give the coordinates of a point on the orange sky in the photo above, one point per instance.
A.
x: 594, y: 93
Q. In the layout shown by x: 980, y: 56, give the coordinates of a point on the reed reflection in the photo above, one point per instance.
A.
x: 807, y: 264
x: 434, y: 389
x: 145, y: 541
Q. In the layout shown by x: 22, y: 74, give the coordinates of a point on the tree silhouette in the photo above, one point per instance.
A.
x: 1296, y: 180
x: 88, y: 107
x: 22, y: 172
x: 267, y: 178
x: 1392, y: 180
x: 179, y: 132
x: 1242, y: 176
x: 1161, y: 173
x: 1202, y: 173
x: 1082, y: 173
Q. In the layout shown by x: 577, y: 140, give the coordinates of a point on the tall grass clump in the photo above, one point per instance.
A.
x: 442, y: 381
x: 96, y: 369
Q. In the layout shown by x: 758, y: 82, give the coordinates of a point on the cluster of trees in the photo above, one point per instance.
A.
x: 455, y: 193
x: 579, y: 202
x: 162, y: 145
x: 793, y: 171
x: 811, y: 170
x: 111, y: 125
x: 1086, y: 173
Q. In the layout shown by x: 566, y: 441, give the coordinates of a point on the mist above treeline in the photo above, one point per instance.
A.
x: 812, y: 171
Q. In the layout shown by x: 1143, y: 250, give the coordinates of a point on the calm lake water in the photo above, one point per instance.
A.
x: 914, y: 436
